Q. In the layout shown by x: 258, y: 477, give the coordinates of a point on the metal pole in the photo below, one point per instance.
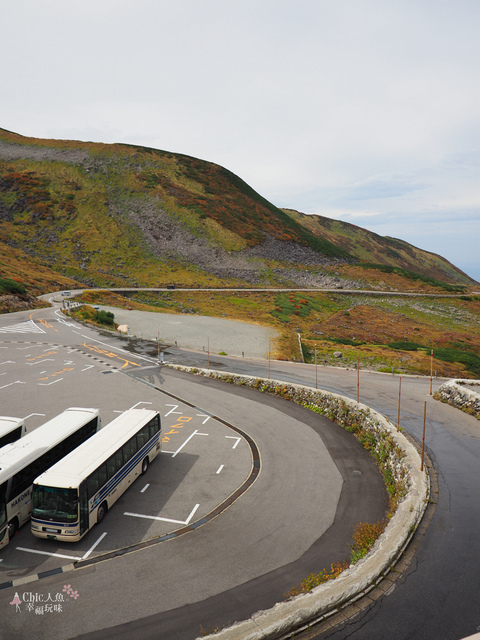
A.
x: 399, y: 394
x: 431, y: 371
x: 208, y: 353
x: 423, y: 437
x: 316, y: 377
x: 358, y: 379
x: 268, y: 359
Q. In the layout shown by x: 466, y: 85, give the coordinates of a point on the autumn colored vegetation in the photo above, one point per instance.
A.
x: 98, y: 218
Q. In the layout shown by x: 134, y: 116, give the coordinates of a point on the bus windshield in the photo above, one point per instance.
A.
x: 54, y: 503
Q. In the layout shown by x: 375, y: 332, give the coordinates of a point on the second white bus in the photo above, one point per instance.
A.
x: 11, y: 429
x: 75, y: 494
x: 22, y: 461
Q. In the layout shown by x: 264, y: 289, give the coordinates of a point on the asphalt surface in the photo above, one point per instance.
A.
x: 436, y: 596
x: 200, y: 333
x: 296, y: 517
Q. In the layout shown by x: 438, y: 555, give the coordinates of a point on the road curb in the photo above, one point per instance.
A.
x: 284, y: 618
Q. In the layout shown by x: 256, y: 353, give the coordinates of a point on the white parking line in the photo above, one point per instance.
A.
x: 10, y: 384
x: 195, y: 433
x: 47, y: 384
x: 175, y: 406
x: 141, y: 515
x: 46, y: 553
x: 145, y: 488
x: 234, y: 438
x: 220, y: 468
x: 93, y: 546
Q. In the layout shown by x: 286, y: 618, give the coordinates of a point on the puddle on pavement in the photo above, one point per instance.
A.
x: 171, y: 354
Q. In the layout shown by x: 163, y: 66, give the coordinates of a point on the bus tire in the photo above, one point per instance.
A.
x: 145, y: 466
x: 102, y: 510
x: 12, y: 528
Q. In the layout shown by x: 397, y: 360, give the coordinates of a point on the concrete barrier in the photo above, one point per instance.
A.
x: 460, y: 394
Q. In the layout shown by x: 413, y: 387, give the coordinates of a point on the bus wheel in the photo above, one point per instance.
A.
x: 144, y: 466
x: 12, y: 528
x: 102, y: 510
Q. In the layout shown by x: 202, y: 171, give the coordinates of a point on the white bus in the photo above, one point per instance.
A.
x: 75, y: 494
x: 11, y: 429
x: 24, y: 460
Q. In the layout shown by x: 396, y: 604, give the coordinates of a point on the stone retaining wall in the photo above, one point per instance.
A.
x: 399, y: 460
x: 458, y: 394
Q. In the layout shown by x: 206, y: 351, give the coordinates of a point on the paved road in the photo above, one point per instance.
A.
x: 299, y: 514
x: 437, y: 597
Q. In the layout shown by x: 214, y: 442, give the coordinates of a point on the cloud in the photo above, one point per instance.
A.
x: 368, y: 109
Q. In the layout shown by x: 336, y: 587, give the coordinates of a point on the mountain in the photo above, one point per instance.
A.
x: 122, y: 215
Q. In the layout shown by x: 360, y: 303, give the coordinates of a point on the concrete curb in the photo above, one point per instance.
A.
x: 457, y: 394
x: 284, y: 617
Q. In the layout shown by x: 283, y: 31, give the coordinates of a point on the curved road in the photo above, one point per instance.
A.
x: 298, y: 515
x: 437, y: 595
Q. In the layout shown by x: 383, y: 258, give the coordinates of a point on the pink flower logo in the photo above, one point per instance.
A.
x: 69, y: 591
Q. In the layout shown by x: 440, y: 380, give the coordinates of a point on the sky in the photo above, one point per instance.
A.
x: 366, y: 111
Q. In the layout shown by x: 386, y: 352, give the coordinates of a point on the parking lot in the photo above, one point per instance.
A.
x: 202, y: 461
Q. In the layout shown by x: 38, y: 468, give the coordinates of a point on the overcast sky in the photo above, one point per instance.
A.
x: 366, y: 111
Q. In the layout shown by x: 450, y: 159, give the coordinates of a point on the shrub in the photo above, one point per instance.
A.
x: 104, y: 317
x: 7, y: 285
x: 404, y: 345
x: 469, y: 359
x: 364, y: 537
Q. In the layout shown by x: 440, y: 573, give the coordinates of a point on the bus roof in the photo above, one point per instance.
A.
x: 32, y: 445
x: 8, y: 424
x: 77, y: 465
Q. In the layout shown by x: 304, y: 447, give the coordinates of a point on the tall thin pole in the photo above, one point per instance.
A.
x: 399, y: 394
x: 268, y: 360
x: 423, y: 437
x: 431, y: 371
x: 358, y: 379
x: 316, y: 377
x: 208, y: 353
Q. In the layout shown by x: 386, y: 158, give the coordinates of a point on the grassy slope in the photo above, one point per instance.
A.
x: 359, y: 326
x: 76, y: 210
x: 67, y: 222
x: 369, y: 247
x: 83, y: 208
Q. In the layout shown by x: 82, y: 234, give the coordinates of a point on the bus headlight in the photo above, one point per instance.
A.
x: 35, y: 526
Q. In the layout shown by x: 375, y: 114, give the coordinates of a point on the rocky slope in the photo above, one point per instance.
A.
x: 118, y: 215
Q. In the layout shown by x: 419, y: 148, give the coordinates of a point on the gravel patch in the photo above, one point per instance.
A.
x: 200, y: 333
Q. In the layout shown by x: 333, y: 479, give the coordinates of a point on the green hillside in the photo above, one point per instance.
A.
x: 368, y: 247
x: 121, y: 215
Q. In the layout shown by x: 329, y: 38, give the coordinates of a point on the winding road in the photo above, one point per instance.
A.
x: 315, y: 484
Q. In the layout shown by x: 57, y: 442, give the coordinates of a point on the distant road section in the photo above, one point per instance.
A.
x: 199, y: 333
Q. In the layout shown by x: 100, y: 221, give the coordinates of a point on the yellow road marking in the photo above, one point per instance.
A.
x: 109, y: 354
